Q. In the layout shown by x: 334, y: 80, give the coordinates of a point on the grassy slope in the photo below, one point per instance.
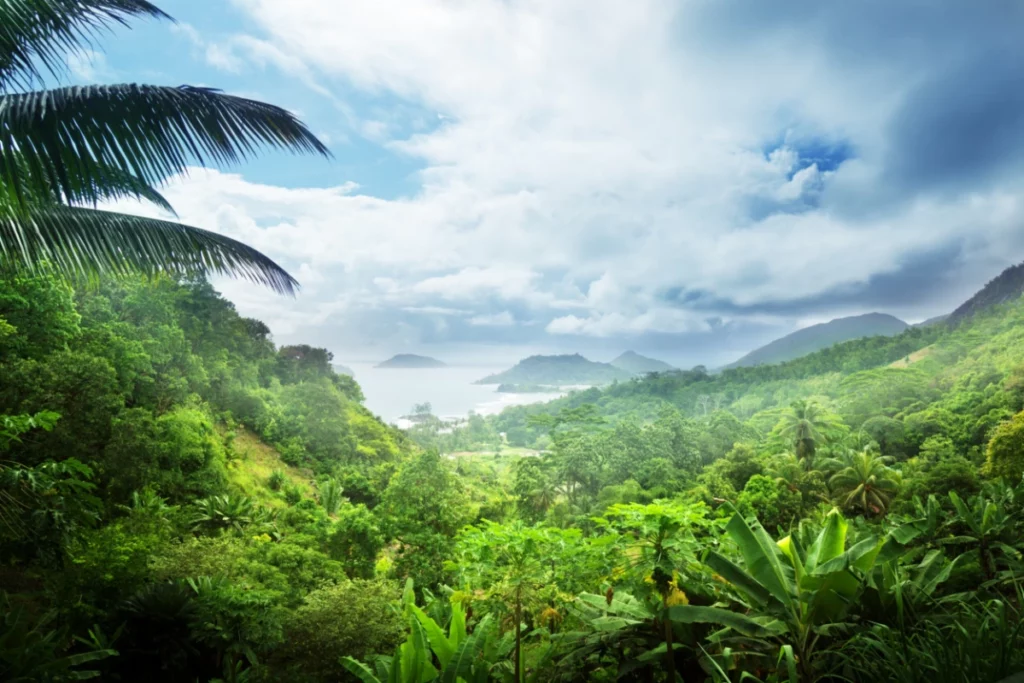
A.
x: 252, y: 465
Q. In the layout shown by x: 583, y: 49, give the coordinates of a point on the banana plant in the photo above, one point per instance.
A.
x: 799, y: 595
x: 626, y: 633
x: 988, y: 526
x: 429, y: 654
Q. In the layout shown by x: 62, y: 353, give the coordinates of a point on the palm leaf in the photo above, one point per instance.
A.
x: 86, y: 243
x: 69, y: 138
x: 37, y: 35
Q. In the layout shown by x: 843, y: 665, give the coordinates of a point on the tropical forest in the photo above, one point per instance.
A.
x: 188, y: 494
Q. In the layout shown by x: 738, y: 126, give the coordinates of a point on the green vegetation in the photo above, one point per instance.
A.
x: 557, y: 371
x: 182, y: 500
x: 635, y: 364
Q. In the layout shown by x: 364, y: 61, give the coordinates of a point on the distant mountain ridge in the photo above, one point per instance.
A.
x: 1007, y: 286
x: 557, y: 371
x: 817, y: 337
x: 411, y: 360
x: 635, y: 364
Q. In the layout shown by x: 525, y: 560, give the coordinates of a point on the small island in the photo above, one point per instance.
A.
x: 556, y: 371
x: 409, y: 361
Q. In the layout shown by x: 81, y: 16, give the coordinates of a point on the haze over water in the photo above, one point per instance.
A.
x: 392, y: 392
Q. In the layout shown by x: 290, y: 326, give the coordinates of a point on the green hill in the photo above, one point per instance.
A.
x: 635, y: 364
x: 816, y: 337
x: 1007, y: 286
x: 561, y: 370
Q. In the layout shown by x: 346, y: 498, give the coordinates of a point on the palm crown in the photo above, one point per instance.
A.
x: 64, y: 150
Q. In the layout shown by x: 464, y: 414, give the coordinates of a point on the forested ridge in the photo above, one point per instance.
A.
x: 183, y: 500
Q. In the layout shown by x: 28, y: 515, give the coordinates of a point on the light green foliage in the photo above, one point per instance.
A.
x: 330, y: 493
x: 424, y: 506
x: 41, y: 310
x: 1005, y: 453
x: 179, y: 454
x: 355, y: 540
x: 773, y: 502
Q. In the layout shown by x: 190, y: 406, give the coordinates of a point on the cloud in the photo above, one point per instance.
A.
x: 89, y: 66
x: 661, y: 169
x: 503, y: 319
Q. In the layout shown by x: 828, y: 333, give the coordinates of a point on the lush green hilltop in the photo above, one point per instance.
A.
x: 817, y: 337
x: 557, y: 371
x: 635, y: 364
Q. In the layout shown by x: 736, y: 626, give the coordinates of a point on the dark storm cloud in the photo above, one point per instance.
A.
x: 923, y: 279
x: 962, y: 127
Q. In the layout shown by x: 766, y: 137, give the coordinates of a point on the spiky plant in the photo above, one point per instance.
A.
x: 330, y: 495
x: 67, y: 149
x: 866, y: 483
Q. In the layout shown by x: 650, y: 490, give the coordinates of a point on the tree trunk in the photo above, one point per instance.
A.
x: 519, y: 643
x: 670, y: 659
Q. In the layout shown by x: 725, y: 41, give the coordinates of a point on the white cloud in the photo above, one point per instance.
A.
x: 594, y: 166
x: 89, y: 65
x: 503, y: 319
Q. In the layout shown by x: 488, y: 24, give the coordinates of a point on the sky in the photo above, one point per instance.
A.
x: 686, y: 178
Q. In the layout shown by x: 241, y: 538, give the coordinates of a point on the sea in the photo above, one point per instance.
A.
x: 391, y: 393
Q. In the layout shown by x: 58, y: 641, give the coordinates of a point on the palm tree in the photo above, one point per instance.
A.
x: 64, y: 150
x: 807, y: 424
x: 866, y: 483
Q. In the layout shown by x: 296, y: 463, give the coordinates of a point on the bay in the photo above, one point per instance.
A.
x: 392, y: 392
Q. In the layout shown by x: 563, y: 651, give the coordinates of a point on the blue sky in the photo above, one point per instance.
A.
x: 680, y: 177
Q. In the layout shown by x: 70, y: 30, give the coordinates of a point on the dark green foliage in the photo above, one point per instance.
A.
x: 352, y: 619
x: 67, y: 147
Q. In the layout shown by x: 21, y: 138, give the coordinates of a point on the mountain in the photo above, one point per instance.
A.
x: 557, y: 371
x: 411, y: 360
x: 935, y: 320
x: 344, y: 370
x: 1007, y: 286
x: 635, y: 364
x: 817, y: 337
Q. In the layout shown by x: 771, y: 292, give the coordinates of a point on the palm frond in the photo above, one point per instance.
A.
x: 67, y: 137
x: 114, y: 184
x: 37, y: 35
x: 86, y: 243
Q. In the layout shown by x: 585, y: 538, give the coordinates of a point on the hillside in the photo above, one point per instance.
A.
x: 564, y: 370
x: 816, y: 337
x: 635, y: 364
x: 411, y: 360
x: 1007, y: 286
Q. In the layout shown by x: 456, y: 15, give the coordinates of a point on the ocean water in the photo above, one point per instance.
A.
x: 392, y: 392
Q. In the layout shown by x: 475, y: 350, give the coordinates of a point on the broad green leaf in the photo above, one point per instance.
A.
x: 695, y: 614
x: 612, y: 623
x: 763, y: 558
x: 359, y: 670
x: 438, y: 641
x: 830, y: 543
x: 746, y: 583
x: 461, y: 664
x: 457, y: 628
